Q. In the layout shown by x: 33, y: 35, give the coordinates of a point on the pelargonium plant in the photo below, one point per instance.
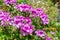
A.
x: 24, y: 23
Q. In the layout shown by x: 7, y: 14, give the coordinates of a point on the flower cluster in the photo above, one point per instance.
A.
x: 44, y: 18
x: 23, y: 7
x: 27, y: 29
x: 4, y: 17
x: 39, y: 12
x: 8, y: 21
x: 24, y: 23
x: 9, y: 2
x: 35, y: 12
x: 42, y: 34
x: 20, y: 20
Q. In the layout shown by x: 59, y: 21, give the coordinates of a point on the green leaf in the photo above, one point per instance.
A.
x: 49, y: 34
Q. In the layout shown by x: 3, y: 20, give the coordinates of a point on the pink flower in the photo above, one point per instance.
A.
x: 44, y: 18
x: 48, y: 38
x: 10, y: 2
x: 33, y: 12
x: 27, y: 29
x: 18, y: 21
x: 40, y: 11
x: 40, y: 33
x: 3, y: 15
x: 52, y: 32
x: 10, y: 21
x: 28, y: 21
x: 23, y: 7
x: 7, y: 21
